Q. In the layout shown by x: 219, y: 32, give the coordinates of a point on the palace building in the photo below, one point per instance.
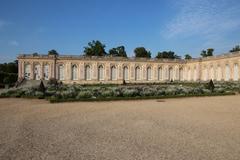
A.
x: 116, y: 70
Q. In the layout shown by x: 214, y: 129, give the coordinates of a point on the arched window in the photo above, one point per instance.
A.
x: 61, y: 72
x: 236, y: 72
x: 87, y: 72
x: 212, y: 73
x: 189, y: 74
x: 37, y: 72
x: 27, y: 71
x: 219, y: 73
x: 195, y: 74
x: 176, y: 73
x: 46, y: 72
x: 113, y: 73
x: 181, y: 74
x: 137, y: 73
x: 100, y: 73
x: 170, y: 74
x: 149, y: 73
x: 74, y: 72
x: 160, y: 76
x: 227, y: 72
x: 125, y: 73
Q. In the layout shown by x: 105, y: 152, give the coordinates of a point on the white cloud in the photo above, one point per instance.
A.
x: 13, y: 43
x: 211, y: 20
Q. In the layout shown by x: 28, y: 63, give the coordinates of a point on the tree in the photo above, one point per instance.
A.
x: 53, y: 52
x: 9, y: 72
x: 207, y: 53
x: 95, y: 48
x: 35, y: 54
x: 142, y: 52
x: 41, y: 87
x: 203, y: 53
x: 118, y: 52
x: 210, y: 85
x: 210, y: 51
x: 187, y: 56
x: 235, y: 49
x: 168, y: 55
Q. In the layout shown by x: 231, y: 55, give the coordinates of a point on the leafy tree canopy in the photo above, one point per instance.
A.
x: 168, y: 55
x: 8, y: 72
x: 11, y: 67
x: 53, y: 52
x: 95, y: 48
x: 187, y: 56
x: 35, y: 54
x: 142, y: 52
x: 207, y: 53
x: 235, y: 49
x: 118, y: 52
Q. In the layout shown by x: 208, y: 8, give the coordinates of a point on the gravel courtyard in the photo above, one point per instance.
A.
x: 173, y: 129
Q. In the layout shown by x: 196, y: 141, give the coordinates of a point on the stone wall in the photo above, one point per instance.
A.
x: 92, y: 70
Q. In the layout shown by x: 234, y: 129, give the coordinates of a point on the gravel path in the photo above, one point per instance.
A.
x: 173, y: 129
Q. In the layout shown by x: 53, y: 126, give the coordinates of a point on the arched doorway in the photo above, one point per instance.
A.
x: 37, y: 72
x: 61, y: 72
x: 125, y: 73
x: 87, y: 73
x: 27, y: 71
x: 149, y: 73
x: 137, y: 73
x: 113, y: 73
x: 227, y: 72
x: 74, y: 72
x: 46, y: 72
x: 160, y: 74
x: 100, y: 73
x: 236, y: 72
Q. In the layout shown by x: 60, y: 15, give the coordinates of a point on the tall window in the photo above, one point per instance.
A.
x: 87, y: 72
x: 149, y: 73
x: 219, y: 73
x: 74, y: 72
x: 181, y: 74
x: 137, y: 73
x: 212, y: 73
x: 227, y: 73
x: 125, y: 73
x: 113, y: 73
x: 176, y: 73
x: 37, y: 72
x: 61, y: 72
x: 189, y: 74
x: 46, y: 72
x: 170, y: 74
x: 236, y: 72
x: 195, y: 74
x: 160, y: 76
x: 100, y: 73
x: 27, y: 69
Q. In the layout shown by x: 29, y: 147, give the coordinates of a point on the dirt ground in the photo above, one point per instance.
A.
x: 172, y: 129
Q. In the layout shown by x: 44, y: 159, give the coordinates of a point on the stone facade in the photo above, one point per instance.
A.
x: 114, y: 70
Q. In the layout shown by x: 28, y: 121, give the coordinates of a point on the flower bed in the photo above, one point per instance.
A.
x: 62, y: 93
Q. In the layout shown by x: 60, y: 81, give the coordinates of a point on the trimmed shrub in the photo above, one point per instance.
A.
x: 107, y: 93
x: 39, y: 94
x: 41, y: 87
x: 130, y: 93
x: 84, y: 94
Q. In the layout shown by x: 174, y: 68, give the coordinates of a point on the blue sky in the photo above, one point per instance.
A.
x: 183, y: 26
